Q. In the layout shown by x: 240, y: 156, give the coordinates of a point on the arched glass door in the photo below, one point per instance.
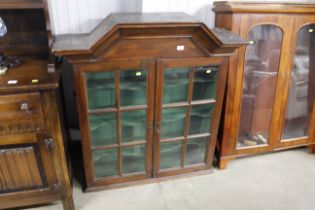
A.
x: 261, y: 69
x: 302, y: 86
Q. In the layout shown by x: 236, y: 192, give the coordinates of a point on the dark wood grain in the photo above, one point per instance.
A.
x: 33, y: 163
x: 152, y: 42
x: 123, y: 25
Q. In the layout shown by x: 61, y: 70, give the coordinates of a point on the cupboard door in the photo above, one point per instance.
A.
x: 119, y: 117
x: 301, y: 97
x: 25, y: 164
x: 186, y: 99
x: 262, y: 60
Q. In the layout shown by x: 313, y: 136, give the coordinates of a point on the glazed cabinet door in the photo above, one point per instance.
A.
x: 258, y: 82
x: 299, y: 116
x: 188, y: 104
x: 116, y: 120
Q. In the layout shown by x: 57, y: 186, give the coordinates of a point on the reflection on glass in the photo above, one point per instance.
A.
x: 105, y: 163
x: 302, y: 86
x: 259, y: 85
x: 100, y: 90
x: 103, y: 129
x: 133, y: 125
x: 196, y: 149
x: 175, y: 85
x: 133, y: 159
x: 170, y: 154
x: 133, y: 87
x: 200, y: 119
x: 173, y: 122
x: 205, y: 83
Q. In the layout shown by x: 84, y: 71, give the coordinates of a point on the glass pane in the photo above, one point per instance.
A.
x: 170, y: 154
x: 200, y: 119
x: 196, y: 149
x: 100, y: 90
x: 259, y: 84
x: 133, y: 125
x: 175, y: 85
x: 103, y: 129
x: 173, y: 122
x: 205, y: 83
x: 133, y: 87
x: 105, y: 163
x: 302, y: 87
x: 133, y: 159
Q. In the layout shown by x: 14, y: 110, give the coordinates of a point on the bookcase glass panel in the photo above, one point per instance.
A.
x: 133, y: 87
x: 105, y: 162
x: 259, y: 85
x: 100, y: 90
x: 133, y: 159
x: 176, y: 82
x: 173, y: 122
x: 103, y: 129
x: 170, y: 154
x: 302, y: 86
x: 200, y: 119
x: 133, y: 125
x: 205, y: 83
x: 196, y: 149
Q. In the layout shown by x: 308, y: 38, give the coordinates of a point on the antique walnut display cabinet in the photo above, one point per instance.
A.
x: 33, y: 166
x: 270, y: 92
x: 149, y: 89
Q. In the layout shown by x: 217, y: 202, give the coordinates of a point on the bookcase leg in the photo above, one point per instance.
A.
x: 312, y: 147
x: 223, y: 163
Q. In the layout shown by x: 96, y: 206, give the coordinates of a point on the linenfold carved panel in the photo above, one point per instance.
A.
x: 19, y: 169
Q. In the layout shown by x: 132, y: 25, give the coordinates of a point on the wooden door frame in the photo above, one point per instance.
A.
x: 222, y: 63
x: 81, y: 97
x: 248, y: 22
x: 305, y: 140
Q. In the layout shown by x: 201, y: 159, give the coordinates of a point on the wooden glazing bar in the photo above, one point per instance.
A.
x: 180, y: 138
x: 112, y: 146
x: 174, y: 105
x: 117, y: 93
x: 198, y: 135
x: 130, y: 108
x: 201, y: 102
x: 102, y: 111
x: 188, y: 110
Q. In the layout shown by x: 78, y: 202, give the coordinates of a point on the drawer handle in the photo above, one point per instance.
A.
x: 24, y: 107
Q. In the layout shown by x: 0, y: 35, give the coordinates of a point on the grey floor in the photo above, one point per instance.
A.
x: 278, y: 181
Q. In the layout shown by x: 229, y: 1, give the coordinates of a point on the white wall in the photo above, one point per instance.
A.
x: 80, y: 16
x: 201, y: 9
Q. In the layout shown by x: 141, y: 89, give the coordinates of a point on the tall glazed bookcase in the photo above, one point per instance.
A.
x: 270, y: 92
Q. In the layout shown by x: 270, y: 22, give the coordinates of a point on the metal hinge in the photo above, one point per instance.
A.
x: 49, y: 143
x: 58, y: 187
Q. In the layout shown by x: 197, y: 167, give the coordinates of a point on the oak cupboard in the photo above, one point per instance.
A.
x: 270, y: 92
x: 149, y: 89
x: 33, y: 165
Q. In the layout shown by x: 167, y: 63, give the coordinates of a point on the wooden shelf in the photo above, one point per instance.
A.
x: 21, y: 4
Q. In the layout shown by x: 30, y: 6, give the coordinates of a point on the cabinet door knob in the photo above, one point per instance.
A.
x: 24, y: 107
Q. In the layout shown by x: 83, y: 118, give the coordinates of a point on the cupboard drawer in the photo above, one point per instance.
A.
x: 20, y: 113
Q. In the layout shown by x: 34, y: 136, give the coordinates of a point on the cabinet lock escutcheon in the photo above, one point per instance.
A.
x: 49, y: 143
